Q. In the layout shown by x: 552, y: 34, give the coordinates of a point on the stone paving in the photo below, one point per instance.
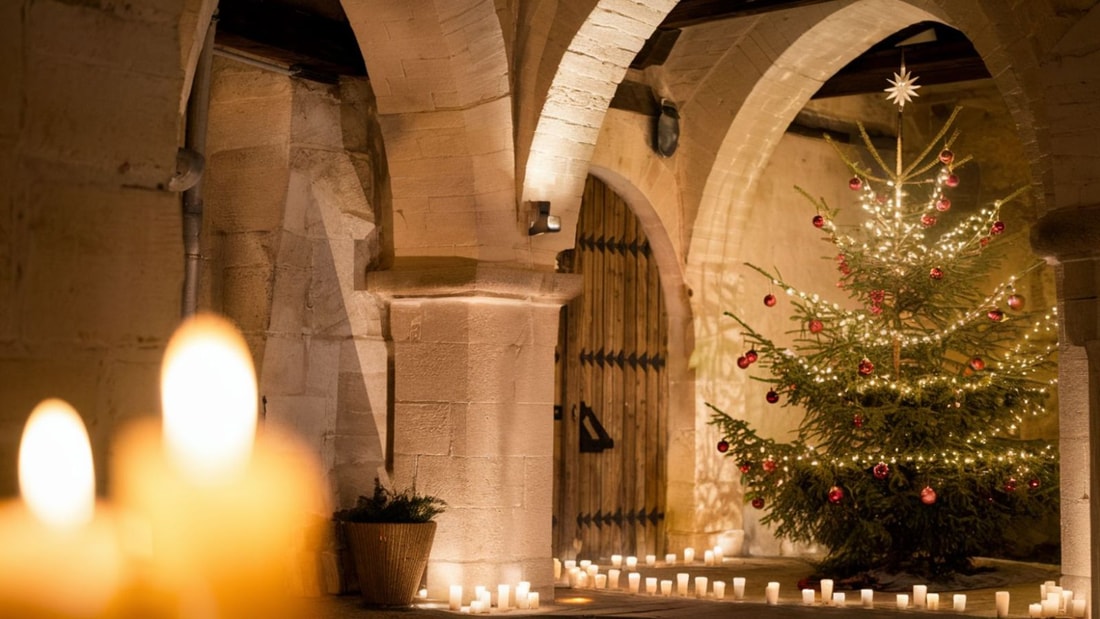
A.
x: 1021, y: 580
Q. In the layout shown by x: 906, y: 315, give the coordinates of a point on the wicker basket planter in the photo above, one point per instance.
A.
x: 390, y: 559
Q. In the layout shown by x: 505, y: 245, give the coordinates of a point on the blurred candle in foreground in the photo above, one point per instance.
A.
x: 932, y: 601
x: 959, y: 602
x: 700, y: 586
x: 826, y: 590
x: 771, y: 593
x: 454, y: 601
x: 738, y: 587
x: 808, y: 596
x: 633, y: 580
x: 58, y: 556
x: 867, y: 597
x: 228, y: 513
x: 1001, y: 600
x: 650, y: 585
x: 682, y: 584
x: 719, y: 589
x: 903, y: 601
x: 631, y: 563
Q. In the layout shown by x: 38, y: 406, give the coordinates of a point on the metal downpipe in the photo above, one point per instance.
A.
x: 198, y: 106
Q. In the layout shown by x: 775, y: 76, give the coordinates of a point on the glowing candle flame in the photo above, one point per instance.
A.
x: 56, y: 477
x: 208, y: 393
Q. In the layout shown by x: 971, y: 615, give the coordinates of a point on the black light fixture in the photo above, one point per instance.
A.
x: 667, y: 134
x: 544, y: 222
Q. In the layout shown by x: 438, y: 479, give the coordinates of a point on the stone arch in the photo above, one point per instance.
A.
x: 575, y: 107
x: 440, y: 73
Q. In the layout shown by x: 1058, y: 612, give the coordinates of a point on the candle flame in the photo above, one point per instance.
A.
x: 56, y: 477
x: 209, y: 397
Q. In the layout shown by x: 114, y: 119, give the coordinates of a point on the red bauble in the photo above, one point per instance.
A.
x: 816, y: 326
x: 1010, y: 485
x: 946, y: 156
x: 1033, y: 483
x: 928, y: 220
x: 758, y: 503
x: 995, y: 315
x: 943, y: 204
x: 752, y: 356
x: 819, y: 221
x: 855, y: 183
x: 936, y: 273
x: 769, y: 300
x: 881, y: 470
x: 977, y: 364
x: 857, y: 420
x: 723, y: 446
x: 984, y: 241
x: 836, y: 495
x: 951, y: 180
x: 745, y: 467
x: 927, y: 495
x: 772, y: 397
x: 1016, y: 302
x: 743, y: 362
x: 997, y: 227
x: 866, y: 368
x: 769, y: 466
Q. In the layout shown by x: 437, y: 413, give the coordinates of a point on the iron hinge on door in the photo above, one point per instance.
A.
x: 594, y: 438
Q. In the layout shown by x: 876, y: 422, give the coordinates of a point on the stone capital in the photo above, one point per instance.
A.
x: 463, y: 277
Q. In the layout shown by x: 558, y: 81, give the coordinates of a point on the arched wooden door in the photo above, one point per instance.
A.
x: 612, y: 424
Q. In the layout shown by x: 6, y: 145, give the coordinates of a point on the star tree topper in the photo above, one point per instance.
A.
x: 904, y: 88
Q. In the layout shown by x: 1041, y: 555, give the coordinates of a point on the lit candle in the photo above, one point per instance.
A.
x: 633, y: 580
x: 613, y: 579
x: 771, y: 593
x: 920, y: 592
x: 632, y: 563
x: 808, y: 596
x: 592, y: 570
x: 60, y: 556
x: 708, y: 557
x: 903, y: 601
x: 573, y: 576
x: 1034, y: 610
x: 570, y: 564
x: 504, y: 597
x: 689, y: 555
x: 838, y: 599
x: 616, y: 560
x: 700, y: 586
x: 718, y: 555
x: 581, y: 581
x: 867, y: 597
x: 584, y: 564
x: 682, y: 584
x: 1077, y: 608
x: 219, y: 503
x: 479, y: 592
x: 533, y: 600
x: 1001, y: 600
x: 959, y: 602
x: 476, y: 607
x: 651, y: 560
x: 932, y: 601
x: 719, y: 589
x: 650, y: 584
x: 557, y: 569
x: 601, y: 581
x: 739, y: 587
x: 454, y: 601
x: 486, y: 600
x: 522, y: 589
x: 1067, y: 600
x: 1049, y: 608
x: 670, y: 559
x: 666, y: 588
x: 826, y: 590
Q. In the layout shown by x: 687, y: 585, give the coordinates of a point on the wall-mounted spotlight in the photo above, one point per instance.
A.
x: 544, y: 222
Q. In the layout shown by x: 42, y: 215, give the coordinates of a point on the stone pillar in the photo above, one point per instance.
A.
x: 472, y: 413
x: 1071, y: 238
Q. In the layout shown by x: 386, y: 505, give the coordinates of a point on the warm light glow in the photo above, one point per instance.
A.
x: 56, y: 477
x: 208, y: 393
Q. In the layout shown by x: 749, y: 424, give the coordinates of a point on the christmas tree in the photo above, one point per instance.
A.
x: 908, y: 457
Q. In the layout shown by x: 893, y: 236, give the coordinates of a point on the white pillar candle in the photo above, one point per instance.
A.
x: 807, y: 596
x: 486, y: 600
x: 838, y: 599
x: 670, y: 559
x: 574, y: 576
x: 1034, y: 610
x: 700, y: 586
x: 903, y: 601
x: 720, y: 590
x: 570, y: 564
x: 867, y: 598
x: 601, y: 581
x: 771, y: 593
x: 478, y: 592
x: 650, y: 585
x: 1077, y: 608
x: 584, y: 564
x: 616, y: 560
x: 1067, y: 599
x: 1001, y: 601
x: 581, y: 581
x: 666, y: 588
x: 1050, y: 608
x: 719, y: 555
x: 592, y: 569
x: 633, y: 579
x: 504, y: 597
x: 533, y: 600
x: 455, y: 599
x: 522, y: 589
x: 613, y: 579
x: 1043, y: 589
x: 739, y: 588
x: 475, y: 607
x: 631, y: 563
x: 557, y: 568
x: 826, y: 590
x: 689, y: 555
x: 708, y: 557
x: 651, y: 560
x: 682, y: 584
x: 958, y: 602
x: 920, y: 592
x: 932, y: 601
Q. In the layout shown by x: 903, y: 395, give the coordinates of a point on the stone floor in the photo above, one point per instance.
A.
x: 1021, y: 580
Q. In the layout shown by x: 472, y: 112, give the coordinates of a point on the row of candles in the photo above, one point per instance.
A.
x: 1056, y: 601
x: 525, y: 599
x: 205, y: 508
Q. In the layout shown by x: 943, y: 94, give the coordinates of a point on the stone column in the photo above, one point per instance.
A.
x: 472, y: 413
x: 1071, y: 238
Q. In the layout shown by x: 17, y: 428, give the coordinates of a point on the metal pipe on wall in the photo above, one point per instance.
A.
x: 198, y: 106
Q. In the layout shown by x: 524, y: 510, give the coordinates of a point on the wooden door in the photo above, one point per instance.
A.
x: 612, y: 429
